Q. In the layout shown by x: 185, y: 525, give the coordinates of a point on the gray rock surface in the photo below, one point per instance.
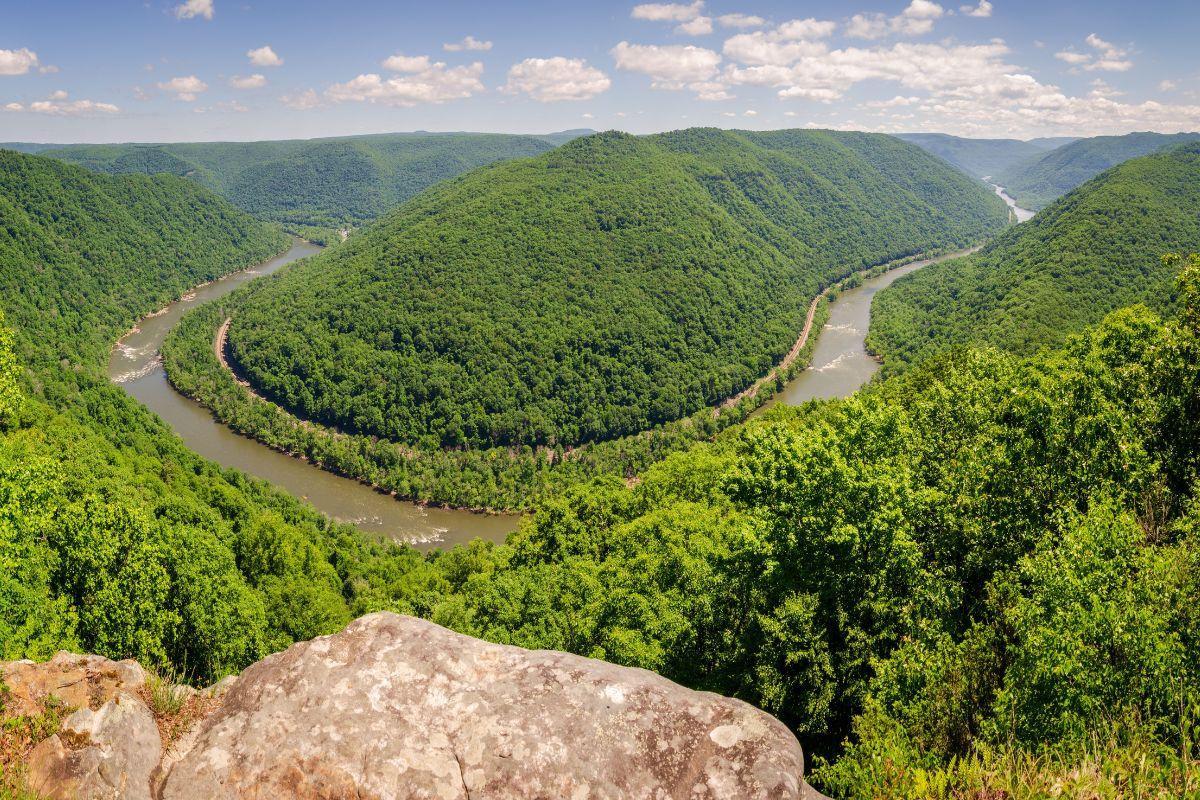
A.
x: 396, y: 707
x: 109, y: 746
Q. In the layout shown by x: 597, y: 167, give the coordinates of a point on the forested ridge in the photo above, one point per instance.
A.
x: 979, y: 578
x: 1091, y: 252
x: 1040, y: 180
x: 596, y: 291
x: 982, y: 158
x: 314, y: 186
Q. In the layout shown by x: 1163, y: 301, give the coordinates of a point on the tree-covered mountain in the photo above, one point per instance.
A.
x: 315, y: 183
x: 1089, y: 253
x: 609, y: 286
x: 979, y: 157
x: 1042, y: 179
x: 114, y: 537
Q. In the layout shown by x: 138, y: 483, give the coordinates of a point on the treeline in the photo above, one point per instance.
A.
x: 1093, y: 251
x: 608, y: 287
x: 314, y: 186
x: 1040, y: 180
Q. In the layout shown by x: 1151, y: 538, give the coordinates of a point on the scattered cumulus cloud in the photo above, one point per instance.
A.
x: 59, y: 104
x: 1104, y: 56
x: 668, y: 12
x: 264, y: 57
x: 741, y: 21
x: 984, y: 9
x: 48, y: 69
x: 467, y: 43
x: 700, y: 26
x: 17, y: 62
x: 669, y: 66
x: 403, y: 63
x: 255, y: 81
x: 1167, y: 86
x: 550, y: 80
x: 301, y: 101
x: 190, y: 9
x: 436, y: 83
x: 916, y: 19
x: 184, y: 88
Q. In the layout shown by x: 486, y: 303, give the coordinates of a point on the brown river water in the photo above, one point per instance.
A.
x: 839, y: 367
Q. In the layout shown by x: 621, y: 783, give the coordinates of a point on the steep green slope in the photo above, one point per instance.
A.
x: 325, y: 183
x: 114, y: 537
x: 979, y: 157
x: 1039, y: 181
x: 596, y: 291
x: 1093, y: 251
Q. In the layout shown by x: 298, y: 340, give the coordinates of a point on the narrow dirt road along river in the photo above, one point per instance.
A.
x: 135, y: 363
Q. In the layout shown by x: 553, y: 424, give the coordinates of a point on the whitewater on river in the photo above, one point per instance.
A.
x: 840, y: 362
x: 839, y: 367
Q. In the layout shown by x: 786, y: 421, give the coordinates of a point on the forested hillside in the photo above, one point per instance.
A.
x: 113, y: 536
x: 315, y: 185
x: 1091, y: 252
x: 1039, y: 181
x: 612, y: 285
x: 979, y: 157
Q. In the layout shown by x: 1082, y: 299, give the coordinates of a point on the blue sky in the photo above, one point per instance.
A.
x: 176, y: 70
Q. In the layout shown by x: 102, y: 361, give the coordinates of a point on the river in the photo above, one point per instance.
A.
x: 136, y: 364
x: 840, y: 362
x: 840, y: 366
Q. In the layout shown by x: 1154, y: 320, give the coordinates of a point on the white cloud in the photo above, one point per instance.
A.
x: 49, y: 69
x: 711, y: 90
x: 301, y: 101
x: 1167, y: 86
x: 194, y: 8
x: 984, y: 9
x: 552, y: 79
x: 668, y: 12
x: 741, y: 21
x: 437, y: 84
x: 1106, y: 58
x: 17, y: 62
x: 254, y: 81
x: 1071, y: 57
x: 896, y: 102
x: 467, y: 43
x: 916, y: 19
x: 588, y: 115
x: 669, y: 66
x: 750, y: 113
x: 805, y: 29
x: 403, y: 63
x: 184, y: 88
x: 264, y: 57
x: 58, y: 105
x: 700, y: 26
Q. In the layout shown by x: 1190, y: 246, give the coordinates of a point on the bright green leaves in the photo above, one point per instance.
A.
x: 10, y: 376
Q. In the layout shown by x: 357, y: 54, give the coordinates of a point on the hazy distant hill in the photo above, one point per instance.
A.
x: 978, y: 157
x: 322, y: 183
x: 1037, y: 182
x: 1091, y: 252
x: 597, y: 290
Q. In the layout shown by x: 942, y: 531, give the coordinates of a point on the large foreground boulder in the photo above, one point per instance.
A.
x: 396, y: 707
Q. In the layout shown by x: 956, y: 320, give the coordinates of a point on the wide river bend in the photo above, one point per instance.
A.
x: 840, y: 366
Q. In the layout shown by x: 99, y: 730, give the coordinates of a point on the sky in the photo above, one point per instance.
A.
x: 197, y: 70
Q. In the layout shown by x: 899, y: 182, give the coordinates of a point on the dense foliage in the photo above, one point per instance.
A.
x: 982, y: 158
x: 1039, y: 181
x: 604, y: 288
x: 983, y: 568
x: 1093, y: 251
x: 315, y: 185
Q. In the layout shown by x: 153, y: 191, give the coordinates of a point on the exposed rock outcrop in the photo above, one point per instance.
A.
x: 396, y: 707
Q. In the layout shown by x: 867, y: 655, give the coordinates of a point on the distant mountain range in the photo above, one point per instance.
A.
x: 312, y: 185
